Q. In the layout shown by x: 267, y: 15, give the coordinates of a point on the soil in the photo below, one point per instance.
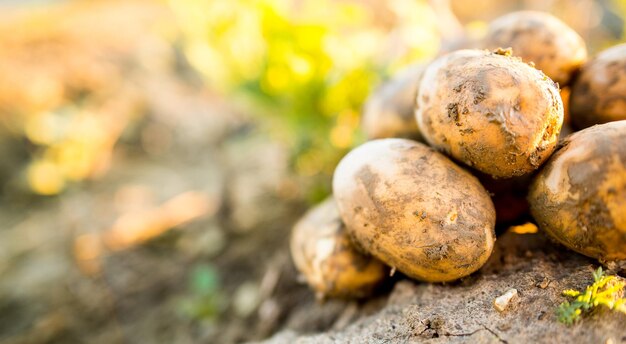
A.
x: 463, y: 312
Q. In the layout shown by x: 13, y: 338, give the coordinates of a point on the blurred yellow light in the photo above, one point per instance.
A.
x: 206, y: 60
x: 340, y: 51
x: 321, y: 56
x: 87, y: 246
x: 42, y: 129
x: 75, y: 159
x: 310, y: 163
x: 136, y: 227
x: 45, y: 178
x: 364, y: 44
x: 476, y: 29
x: 133, y: 197
x: 348, y: 117
x: 341, y: 136
x: 276, y: 78
x: 301, y: 67
x: 44, y: 92
x: 87, y: 251
x: 527, y: 228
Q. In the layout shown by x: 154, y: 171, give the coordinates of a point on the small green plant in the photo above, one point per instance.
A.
x: 606, y: 290
x: 205, y: 299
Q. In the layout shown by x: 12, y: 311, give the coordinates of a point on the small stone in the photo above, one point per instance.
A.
x: 543, y: 284
x: 246, y: 299
x: 502, y: 302
x: 504, y: 326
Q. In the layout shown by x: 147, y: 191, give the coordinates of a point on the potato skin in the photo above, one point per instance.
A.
x: 579, y: 197
x: 388, y: 111
x: 414, y: 209
x: 599, y: 92
x: 542, y: 39
x: 490, y: 111
x: 323, y: 253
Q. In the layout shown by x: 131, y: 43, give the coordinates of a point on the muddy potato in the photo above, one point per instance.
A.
x: 541, y: 38
x: 323, y: 253
x: 414, y: 209
x: 490, y: 111
x: 599, y: 92
x: 388, y: 112
x: 579, y: 197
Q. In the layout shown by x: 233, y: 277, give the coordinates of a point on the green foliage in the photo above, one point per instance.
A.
x: 205, y: 300
x: 306, y: 67
x: 605, y: 291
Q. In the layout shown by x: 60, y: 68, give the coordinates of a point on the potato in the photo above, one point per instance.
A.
x: 599, y: 93
x: 542, y: 39
x: 414, y: 209
x: 490, y: 111
x: 579, y: 197
x: 323, y: 253
x: 388, y: 112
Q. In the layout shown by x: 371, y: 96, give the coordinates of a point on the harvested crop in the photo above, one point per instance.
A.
x: 579, y: 197
x: 599, y: 93
x: 389, y: 112
x: 490, y: 111
x: 542, y: 39
x: 323, y: 253
x: 414, y: 209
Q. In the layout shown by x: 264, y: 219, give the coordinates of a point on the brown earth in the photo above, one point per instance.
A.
x: 463, y: 312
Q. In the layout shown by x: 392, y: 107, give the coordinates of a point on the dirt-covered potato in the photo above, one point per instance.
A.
x: 323, y: 253
x: 490, y: 111
x: 599, y: 92
x: 579, y: 197
x: 542, y: 39
x: 388, y: 111
x: 414, y: 209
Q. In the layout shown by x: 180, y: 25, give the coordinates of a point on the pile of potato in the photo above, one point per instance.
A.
x: 488, y: 124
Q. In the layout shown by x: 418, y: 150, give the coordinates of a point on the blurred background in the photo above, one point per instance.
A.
x: 155, y: 154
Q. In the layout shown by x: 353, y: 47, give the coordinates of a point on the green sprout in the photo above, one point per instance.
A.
x: 205, y: 298
x: 606, y: 290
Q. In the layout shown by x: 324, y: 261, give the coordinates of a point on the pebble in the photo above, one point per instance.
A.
x: 502, y: 302
x: 544, y: 283
x: 246, y: 299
